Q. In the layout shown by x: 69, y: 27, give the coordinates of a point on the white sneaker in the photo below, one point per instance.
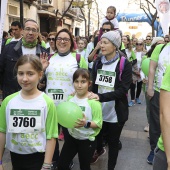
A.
x: 146, y: 128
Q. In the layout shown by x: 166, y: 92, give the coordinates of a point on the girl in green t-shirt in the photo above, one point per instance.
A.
x: 28, y: 120
x: 81, y: 139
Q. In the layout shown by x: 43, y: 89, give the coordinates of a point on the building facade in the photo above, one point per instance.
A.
x: 49, y: 15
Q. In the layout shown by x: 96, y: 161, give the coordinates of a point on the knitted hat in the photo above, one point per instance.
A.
x: 114, y: 37
x: 156, y: 39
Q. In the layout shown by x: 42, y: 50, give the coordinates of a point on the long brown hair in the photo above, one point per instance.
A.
x: 29, y: 58
x: 129, y: 45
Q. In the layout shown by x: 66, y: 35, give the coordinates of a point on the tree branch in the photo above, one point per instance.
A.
x: 97, y: 14
x: 151, y: 4
x: 66, y: 10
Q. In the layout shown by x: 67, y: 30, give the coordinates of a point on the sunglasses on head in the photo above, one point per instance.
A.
x: 139, y: 44
x: 51, y: 39
x: 105, y: 30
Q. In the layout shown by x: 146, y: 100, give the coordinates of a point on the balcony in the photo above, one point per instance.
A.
x: 71, y: 13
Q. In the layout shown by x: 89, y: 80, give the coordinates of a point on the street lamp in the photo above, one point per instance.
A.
x: 21, y: 13
x: 89, y: 7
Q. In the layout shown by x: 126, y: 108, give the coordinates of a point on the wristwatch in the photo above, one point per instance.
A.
x: 87, y: 125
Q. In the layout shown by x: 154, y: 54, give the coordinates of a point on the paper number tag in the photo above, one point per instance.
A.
x: 105, y: 78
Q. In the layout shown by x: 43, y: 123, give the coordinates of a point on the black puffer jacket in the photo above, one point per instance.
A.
x: 11, y: 53
x: 121, y: 89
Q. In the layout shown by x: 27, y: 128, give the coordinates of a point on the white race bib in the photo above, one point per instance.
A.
x: 105, y: 78
x: 24, y: 121
x: 56, y: 94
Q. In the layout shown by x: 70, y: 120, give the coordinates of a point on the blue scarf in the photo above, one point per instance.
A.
x: 104, y: 61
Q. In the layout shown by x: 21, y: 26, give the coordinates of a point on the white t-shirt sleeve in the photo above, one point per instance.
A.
x: 115, y: 23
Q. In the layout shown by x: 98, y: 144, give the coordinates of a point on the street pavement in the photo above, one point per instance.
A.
x: 135, y: 143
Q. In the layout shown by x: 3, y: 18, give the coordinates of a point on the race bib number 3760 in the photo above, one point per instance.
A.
x: 24, y: 121
x: 105, y: 78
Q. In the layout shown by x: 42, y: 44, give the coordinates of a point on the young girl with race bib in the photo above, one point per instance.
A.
x: 81, y: 139
x: 28, y: 120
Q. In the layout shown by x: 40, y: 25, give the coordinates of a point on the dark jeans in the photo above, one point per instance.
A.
x: 113, y: 134
x: 27, y: 161
x: 56, y: 151
x: 138, y: 91
x: 154, y: 122
x: 72, y: 146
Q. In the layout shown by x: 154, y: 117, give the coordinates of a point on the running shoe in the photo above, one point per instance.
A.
x: 131, y: 103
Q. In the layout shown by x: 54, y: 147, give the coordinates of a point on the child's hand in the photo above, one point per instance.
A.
x: 81, y: 122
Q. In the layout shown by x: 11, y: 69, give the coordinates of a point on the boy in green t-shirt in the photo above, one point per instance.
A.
x: 162, y: 151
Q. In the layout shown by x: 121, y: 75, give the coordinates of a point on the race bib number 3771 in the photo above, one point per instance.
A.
x: 24, y: 121
x: 105, y: 78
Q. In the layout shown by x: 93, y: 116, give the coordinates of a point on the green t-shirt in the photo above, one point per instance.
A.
x: 28, y: 123
x: 165, y: 86
x: 8, y: 41
x: 130, y: 55
x: 43, y: 44
x: 93, y: 112
x: 122, y: 46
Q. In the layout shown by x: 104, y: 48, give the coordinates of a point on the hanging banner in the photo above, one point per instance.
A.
x: 163, y: 8
x: 2, y: 19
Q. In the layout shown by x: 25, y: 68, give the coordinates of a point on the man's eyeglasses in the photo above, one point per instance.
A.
x: 27, y: 29
x: 51, y: 39
x: 106, y: 30
x: 139, y: 44
x: 148, y: 39
x: 62, y: 39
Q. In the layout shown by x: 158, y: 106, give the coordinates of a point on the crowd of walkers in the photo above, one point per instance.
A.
x: 38, y: 71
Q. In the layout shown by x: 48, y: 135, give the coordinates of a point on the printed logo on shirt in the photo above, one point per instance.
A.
x: 82, y: 108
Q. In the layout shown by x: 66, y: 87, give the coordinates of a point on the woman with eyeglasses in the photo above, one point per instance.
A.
x: 148, y: 42
x: 51, y: 40
x: 139, y: 53
x: 59, y: 72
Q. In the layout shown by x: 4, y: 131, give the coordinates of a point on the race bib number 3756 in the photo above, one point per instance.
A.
x: 105, y: 78
x: 24, y: 121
